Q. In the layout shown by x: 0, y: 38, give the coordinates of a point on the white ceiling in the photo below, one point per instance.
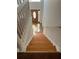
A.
x: 34, y: 5
x: 34, y: 0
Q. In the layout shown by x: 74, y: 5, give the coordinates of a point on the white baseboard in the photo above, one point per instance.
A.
x: 52, y: 42
x: 29, y: 41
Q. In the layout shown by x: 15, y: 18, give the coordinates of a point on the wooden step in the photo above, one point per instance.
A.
x: 40, y: 42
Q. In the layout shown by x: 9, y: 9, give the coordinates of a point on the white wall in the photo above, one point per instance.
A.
x: 41, y: 10
x: 52, y: 13
x: 27, y: 33
x: 52, y: 21
x: 54, y: 35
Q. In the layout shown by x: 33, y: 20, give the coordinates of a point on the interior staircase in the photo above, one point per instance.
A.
x: 40, y: 43
x: 39, y: 48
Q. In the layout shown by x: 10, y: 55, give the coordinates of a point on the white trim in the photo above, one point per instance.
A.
x: 25, y: 45
x: 53, y: 42
x: 29, y: 41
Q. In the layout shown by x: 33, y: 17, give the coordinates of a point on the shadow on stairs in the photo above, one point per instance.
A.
x: 38, y: 55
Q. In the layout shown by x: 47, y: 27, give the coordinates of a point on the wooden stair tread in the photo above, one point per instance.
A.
x: 40, y: 43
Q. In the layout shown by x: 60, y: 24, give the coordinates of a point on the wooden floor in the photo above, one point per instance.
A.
x: 40, y: 43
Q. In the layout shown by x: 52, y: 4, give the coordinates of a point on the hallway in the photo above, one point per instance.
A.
x: 39, y: 29
x: 40, y: 43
